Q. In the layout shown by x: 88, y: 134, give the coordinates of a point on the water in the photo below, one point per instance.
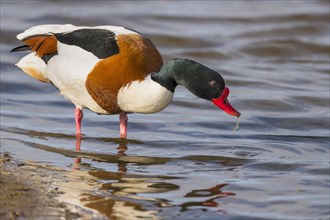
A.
x: 186, y: 162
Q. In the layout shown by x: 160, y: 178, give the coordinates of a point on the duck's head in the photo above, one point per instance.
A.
x: 198, y: 79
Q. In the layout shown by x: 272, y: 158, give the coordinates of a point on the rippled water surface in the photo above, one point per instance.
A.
x: 186, y: 162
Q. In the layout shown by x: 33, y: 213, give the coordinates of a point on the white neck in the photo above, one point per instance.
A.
x: 145, y: 96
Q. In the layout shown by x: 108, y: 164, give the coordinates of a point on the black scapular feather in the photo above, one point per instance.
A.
x: 21, y: 48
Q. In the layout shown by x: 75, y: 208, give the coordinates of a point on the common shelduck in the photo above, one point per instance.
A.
x: 113, y: 70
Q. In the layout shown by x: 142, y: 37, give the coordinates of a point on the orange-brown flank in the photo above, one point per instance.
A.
x: 137, y: 58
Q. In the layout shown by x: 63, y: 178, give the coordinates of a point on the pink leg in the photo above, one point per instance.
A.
x: 78, y: 115
x: 78, y: 142
x: 123, y: 124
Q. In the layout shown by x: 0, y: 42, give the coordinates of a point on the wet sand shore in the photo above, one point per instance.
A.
x: 26, y: 192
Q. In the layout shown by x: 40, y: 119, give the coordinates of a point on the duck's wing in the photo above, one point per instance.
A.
x: 43, y: 41
x: 100, y: 41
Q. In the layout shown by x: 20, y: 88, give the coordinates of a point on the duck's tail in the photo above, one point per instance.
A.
x: 34, y: 67
x: 42, y: 43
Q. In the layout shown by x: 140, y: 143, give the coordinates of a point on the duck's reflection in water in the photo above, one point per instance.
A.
x: 119, y: 198
x: 77, y: 161
x: 215, y: 192
x: 122, y: 148
x: 131, y: 196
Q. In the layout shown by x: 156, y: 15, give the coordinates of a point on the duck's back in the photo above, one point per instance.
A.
x: 89, y: 65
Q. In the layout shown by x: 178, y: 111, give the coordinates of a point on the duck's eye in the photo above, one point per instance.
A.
x: 213, y: 83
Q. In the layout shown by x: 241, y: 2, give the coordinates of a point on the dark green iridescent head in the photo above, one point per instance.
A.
x: 198, y: 79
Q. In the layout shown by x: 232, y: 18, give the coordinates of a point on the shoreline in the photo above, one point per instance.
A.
x: 26, y: 191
